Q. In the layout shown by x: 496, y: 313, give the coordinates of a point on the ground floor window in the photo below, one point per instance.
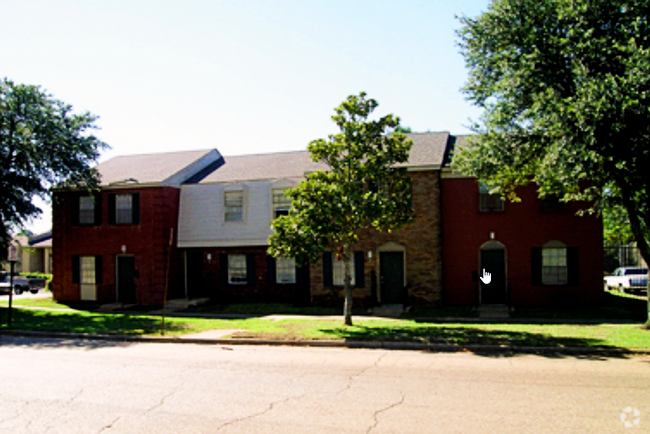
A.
x: 338, y: 273
x: 554, y: 266
x: 285, y: 269
x: 237, y: 269
x: 87, y: 268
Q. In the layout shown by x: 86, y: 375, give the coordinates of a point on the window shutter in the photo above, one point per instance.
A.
x: 327, y: 270
x: 98, y: 270
x: 76, y: 273
x: 223, y: 268
x: 270, y: 269
x: 250, y: 268
x: 111, y: 209
x: 98, y: 209
x: 135, y: 216
x: 74, y: 210
x: 536, y: 266
x: 359, y: 269
x: 573, y: 266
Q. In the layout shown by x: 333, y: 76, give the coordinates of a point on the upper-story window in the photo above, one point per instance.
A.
x: 281, y: 203
x: 124, y: 209
x: 234, y: 206
x: 87, y: 210
x: 489, y: 201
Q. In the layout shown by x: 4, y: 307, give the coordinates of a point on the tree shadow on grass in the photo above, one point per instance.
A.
x: 83, y: 323
x: 469, y: 339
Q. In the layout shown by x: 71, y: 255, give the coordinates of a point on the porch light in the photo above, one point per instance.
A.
x: 491, y: 235
x: 209, y: 257
x: 370, y: 255
x: 123, y: 249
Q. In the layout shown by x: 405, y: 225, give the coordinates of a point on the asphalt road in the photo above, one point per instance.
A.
x: 74, y: 386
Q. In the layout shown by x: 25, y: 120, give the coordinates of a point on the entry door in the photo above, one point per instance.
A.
x: 194, y: 274
x: 391, y: 275
x: 126, y: 279
x: 493, y: 261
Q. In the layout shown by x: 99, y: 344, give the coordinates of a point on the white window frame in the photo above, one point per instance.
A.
x: 338, y: 271
x: 555, y: 270
x: 283, y: 205
x: 285, y: 270
x: 87, y: 277
x: 229, y: 214
x: 237, y: 274
x: 86, y: 210
x: 124, y: 209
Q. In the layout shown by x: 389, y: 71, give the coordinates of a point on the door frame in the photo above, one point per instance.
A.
x: 390, y: 246
x: 494, y: 245
x: 117, y: 276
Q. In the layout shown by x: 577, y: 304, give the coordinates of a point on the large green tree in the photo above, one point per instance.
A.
x: 565, y: 88
x: 42, y: 143
x: 362, y: 188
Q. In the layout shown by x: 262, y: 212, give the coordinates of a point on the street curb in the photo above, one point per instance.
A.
x: 385, y: 345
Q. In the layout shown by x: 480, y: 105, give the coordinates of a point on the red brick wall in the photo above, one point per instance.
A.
x: 423, y: 250
x: 147, y: 241
x: 520, y: 227
x: 262, y: 290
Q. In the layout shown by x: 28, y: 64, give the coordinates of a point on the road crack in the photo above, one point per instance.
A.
x: 352, y: 377
x: 109, y: 426
x: 375, y: 416
x: 261, y: 413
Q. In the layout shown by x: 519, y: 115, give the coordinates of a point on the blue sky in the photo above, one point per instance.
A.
x: 243, y: 76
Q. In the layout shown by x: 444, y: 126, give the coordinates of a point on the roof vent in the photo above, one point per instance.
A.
x: 125, y: 181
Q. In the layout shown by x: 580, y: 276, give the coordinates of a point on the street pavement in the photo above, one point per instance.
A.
x: 91, y: 386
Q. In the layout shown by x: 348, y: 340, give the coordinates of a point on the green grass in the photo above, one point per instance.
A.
x: 269, y: 309
x: 34, y: 302
x: 622, y: 336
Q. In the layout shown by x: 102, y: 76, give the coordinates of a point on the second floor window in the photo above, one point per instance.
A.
x: 123, y: 209
x: 281, y: 203
x: 86, y: 210
x: 489, y: 201
x: 234, y: 206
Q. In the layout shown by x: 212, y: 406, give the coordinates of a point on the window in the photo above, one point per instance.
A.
x: 234, y: 206
x: 124, y: 209
x: 281, y: 203
x: 554, y: 266
x: 489, y: 201
x: 87, y: 268
x: 285, y: 269
x: 338, y: 272
x: 86, y: 210
x: 237, y: 269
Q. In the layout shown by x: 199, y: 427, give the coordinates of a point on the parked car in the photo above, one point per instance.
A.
x: 628, y: 279
x: 21, y: 284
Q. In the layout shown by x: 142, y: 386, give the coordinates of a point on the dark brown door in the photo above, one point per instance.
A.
x: 493, y: 261
x: 126, y: 279
x: 391, y: 274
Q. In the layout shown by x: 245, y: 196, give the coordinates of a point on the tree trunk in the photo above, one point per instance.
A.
x: 347, y: 279
x: 642, y: 244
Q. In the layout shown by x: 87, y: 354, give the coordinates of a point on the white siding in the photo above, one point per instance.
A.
x: 201, y: 217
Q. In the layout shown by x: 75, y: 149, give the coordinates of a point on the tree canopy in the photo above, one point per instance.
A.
x: 565, y: 88
x: 42, y: 143
x: 362, y: 188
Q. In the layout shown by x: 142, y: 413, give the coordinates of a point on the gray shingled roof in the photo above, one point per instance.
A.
x: 148, y: 169
x: 428, y: 150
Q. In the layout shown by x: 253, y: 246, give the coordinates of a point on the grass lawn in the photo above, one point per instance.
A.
x: 624, y: 336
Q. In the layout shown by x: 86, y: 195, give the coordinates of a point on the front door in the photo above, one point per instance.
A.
x: 126, y: 279
x: 493, y: 261
x: 391, y: 277
x: 194, y: 274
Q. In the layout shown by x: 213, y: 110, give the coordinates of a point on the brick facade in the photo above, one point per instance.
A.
x: 420, y: 241
x: 147, y: 242
x: 521, y: 228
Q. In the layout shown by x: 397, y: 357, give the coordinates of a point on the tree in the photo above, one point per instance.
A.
x: 363, y: 188
x: 42, y: 143
x: 565, y: 88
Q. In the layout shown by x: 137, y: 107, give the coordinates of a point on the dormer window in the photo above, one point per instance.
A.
x: 281, y: 203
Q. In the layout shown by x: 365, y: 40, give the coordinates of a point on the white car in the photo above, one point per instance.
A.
x: 628, y: 279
